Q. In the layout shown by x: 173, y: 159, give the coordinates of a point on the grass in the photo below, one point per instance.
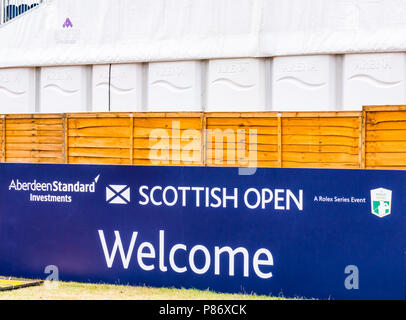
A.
x: 84, y: 291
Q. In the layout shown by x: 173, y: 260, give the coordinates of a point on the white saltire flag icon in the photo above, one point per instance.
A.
x: 118, y: 194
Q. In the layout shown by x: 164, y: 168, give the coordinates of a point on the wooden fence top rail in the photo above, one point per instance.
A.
x: 243, y: 114
x: 34, y: 116
x: 384, y: 108
x: 142, y: 114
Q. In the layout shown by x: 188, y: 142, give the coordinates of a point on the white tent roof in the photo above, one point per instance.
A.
x: 121, y: 31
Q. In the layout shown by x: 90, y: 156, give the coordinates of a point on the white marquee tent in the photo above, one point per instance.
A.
x: 203, y: 55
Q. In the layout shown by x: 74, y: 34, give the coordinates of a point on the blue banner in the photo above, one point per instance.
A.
x: 312, y: 233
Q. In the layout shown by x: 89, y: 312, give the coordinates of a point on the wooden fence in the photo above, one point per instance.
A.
x: 385, y: 137
x: 373, y: 138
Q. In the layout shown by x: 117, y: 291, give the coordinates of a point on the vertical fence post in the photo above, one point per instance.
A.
x: 204, y: 138
x: 279, y: 115
x: 3, y: 139
x: 65, y: 129
x: 362, y: 140
x: 131, y: 138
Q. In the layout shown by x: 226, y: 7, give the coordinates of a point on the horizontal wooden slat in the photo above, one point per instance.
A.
x: 98, y: 142
x: 41, y: 121
x: 100, y: 132
x: 34, y: 127
x: 247, y: 130
x: 167, y: 123
x: 98, y: 123
x: 319, y: 140
x: 32, y: 133
x: 260, y: 139
x: 145, y: 143
x: 32, y: 154
x: 35, y: 139
x: 147, y: 162
x: 322, y: 131
x: 388, y: 125
x: 242, y: 122
x: 386, y: 135
x: 322, y: 148
x: 34, y: 147
x: 100, y: 153
x: 257, y: 164
x: 93, y: 160
x: 385, y: 116
x: 34, y: 160
x: 162, y: 133
x: 171, y: 155
x: 383, y: 159
x: 260, y: 156
x: 320, y: 157
x: 387, y: 146
x: 327, y: 165
x: 338, y: 122
x: 245, y: 146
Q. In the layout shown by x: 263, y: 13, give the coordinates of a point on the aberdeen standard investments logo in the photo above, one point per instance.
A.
x: 381, y: 200
x: 52, y: 191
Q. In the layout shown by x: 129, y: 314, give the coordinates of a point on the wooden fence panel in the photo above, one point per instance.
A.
x: 35, y: 139
x: 98, y: 139
x: 374, y: 138
x: 241, y: 139
x: 326, y: 141
x: 167, y: 139
x: 385, y: 138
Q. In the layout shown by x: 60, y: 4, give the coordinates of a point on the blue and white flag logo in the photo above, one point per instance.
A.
x: 118, y: 194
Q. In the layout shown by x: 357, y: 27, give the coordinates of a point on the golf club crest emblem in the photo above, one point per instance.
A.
x: 381, y: 201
